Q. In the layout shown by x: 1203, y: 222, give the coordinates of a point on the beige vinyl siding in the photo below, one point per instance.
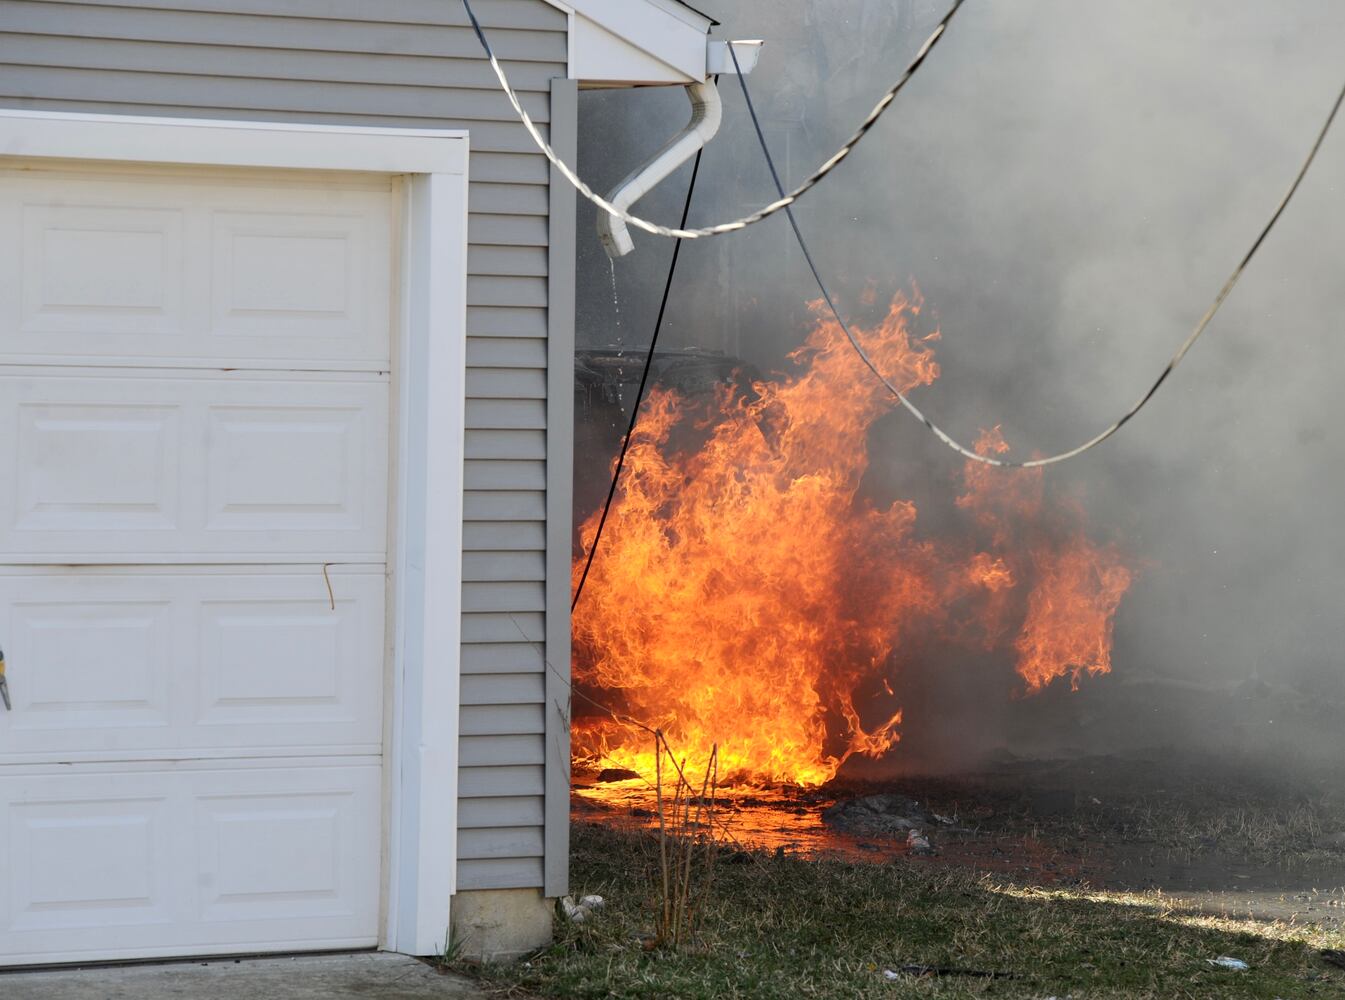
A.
x: 411, y: 63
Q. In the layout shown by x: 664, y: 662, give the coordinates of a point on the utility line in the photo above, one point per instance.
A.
x: 1139, y: 404
x: 784, y: 201
x: 639, y: 395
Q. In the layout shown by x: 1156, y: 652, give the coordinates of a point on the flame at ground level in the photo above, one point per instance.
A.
x: 748, y: 595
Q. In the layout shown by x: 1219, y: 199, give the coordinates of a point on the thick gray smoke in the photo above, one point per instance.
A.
x: 1069, y: 182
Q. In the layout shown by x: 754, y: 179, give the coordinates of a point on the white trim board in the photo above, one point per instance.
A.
x: 426, y: 588
x: 597, y: 9
x: 206, y: 142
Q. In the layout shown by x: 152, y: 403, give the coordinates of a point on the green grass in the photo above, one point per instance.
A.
x: 788, y: 928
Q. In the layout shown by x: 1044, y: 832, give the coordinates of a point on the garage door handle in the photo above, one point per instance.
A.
x: 4, y: 684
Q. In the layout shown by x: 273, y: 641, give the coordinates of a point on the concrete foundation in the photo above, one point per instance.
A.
x: 501, y: 924
x: 366, y: 976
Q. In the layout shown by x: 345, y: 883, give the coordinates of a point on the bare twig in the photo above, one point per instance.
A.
x: 662, y: 825
x: 686, y: 822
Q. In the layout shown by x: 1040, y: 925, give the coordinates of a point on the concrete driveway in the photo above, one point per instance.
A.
x: 365, y: 976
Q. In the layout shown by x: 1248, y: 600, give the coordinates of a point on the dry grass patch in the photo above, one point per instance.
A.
x: 779, y: 927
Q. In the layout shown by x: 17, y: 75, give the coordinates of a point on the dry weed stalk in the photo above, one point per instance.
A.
x: 686, y: 831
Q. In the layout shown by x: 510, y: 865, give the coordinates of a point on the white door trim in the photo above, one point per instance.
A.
x: 426, y: 561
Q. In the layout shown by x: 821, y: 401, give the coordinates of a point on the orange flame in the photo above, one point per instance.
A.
x: 748, y: 596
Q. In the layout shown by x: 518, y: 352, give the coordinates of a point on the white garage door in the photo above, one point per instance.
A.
x: 193, y: 449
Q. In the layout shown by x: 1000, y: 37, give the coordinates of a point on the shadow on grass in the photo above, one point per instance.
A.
x: 787, y: 928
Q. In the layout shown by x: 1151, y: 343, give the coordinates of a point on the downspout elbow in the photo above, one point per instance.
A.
x: 707, y: 112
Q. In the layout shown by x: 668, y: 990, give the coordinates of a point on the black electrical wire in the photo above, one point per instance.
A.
x: 1149, y: 393
x: 639, y: 395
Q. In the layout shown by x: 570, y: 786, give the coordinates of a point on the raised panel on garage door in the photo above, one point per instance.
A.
x: 156, y: 859
x: 180, y: 268
x: 194, y: 468
x: 128, y: 662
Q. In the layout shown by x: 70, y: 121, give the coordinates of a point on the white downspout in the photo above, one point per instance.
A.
x: 707, y: 111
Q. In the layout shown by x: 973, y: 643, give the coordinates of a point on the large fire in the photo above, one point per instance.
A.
x: 747, y: 595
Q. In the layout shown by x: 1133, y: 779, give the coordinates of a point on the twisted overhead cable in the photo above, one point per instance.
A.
x: 784, y: 201
x: 1172, y: 364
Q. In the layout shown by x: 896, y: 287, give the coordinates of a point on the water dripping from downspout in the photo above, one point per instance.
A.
x: 619, y: 334
x: 616, y: 305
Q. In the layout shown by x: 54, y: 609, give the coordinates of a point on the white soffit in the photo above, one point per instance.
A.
x: 615, y: 43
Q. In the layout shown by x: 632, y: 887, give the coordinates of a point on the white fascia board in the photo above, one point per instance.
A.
x: 680, y: 10
x: 635, y: 42
x: 595, y: 8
